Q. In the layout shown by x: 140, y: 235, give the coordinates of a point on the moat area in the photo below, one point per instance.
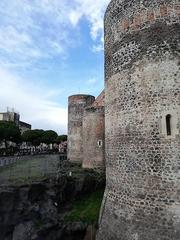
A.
x: 64, y: 205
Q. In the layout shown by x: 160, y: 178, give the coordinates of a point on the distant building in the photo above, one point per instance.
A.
x: 12, y: 116
x: 24, y: 126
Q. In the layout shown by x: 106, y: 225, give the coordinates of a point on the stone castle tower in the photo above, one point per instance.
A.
x: 86, y: 130
x: 76, y: 106
x: 93, y: 135
x: 142, y: 133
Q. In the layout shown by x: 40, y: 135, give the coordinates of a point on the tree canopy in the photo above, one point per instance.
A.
x: 33, y: 136
x: 61, y: 138
x: 9, y: 132
x: 37, y: 136
x: 49, y: 137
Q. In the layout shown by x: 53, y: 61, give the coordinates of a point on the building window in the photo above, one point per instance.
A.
x: 168, y: 124
x: 100, y: 143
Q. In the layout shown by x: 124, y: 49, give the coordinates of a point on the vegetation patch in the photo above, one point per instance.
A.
x: 86, y: 209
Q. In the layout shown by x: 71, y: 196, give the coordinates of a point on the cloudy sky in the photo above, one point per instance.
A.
x: 49, y: 49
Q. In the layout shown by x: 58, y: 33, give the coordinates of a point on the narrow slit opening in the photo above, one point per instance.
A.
x: 168, y: 124
x: 100, y: 143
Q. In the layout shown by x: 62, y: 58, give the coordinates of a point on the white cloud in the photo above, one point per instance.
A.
x: 94, y: 13
x: 42, y: 28
x: 92, y: 81
x: 33, y: 31
x: 11, y: 39
x: 30, y: 100
x: 98, y: 47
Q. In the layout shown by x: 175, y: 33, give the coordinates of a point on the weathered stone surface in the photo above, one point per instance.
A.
x: 86, y: 131
x: 93, y: 138
x: 24, y: 231
x: 100, y: 100
x: 76, y: 106
x: 142, y: 198
x: 91, y: 233
x: 36, y: 211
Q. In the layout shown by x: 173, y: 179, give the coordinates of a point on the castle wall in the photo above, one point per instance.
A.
x: 93, y: 138
x: 76, y: 106
x: 142, y: 197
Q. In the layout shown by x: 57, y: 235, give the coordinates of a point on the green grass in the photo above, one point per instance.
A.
x: 26, y: 171
x: 87, y: 209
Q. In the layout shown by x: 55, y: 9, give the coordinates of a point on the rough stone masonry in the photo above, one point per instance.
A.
x: 93, y: 135
x: 86, y: 131
x: 76, y: 105
x: 142, y: 130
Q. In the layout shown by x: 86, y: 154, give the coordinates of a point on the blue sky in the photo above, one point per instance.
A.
x: 49, y: 49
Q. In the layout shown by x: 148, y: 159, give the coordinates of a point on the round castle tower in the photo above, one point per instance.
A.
x: 76, y: 106
x: 94, y: 135
x: 142, y: 133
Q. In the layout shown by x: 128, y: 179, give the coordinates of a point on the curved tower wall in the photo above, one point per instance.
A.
x: 142, y: 197
x: 93, y: 138
x: 76, y: 106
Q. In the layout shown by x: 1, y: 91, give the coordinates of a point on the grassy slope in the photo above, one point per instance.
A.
x: 87, y: 209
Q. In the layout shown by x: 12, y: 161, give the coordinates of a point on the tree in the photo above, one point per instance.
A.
x: 35, y: 137
x: 49, y: 137
x: 61, y: 138
x: 9, y: 132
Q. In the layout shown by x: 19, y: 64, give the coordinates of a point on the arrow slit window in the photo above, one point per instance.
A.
x: 168, y: 124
